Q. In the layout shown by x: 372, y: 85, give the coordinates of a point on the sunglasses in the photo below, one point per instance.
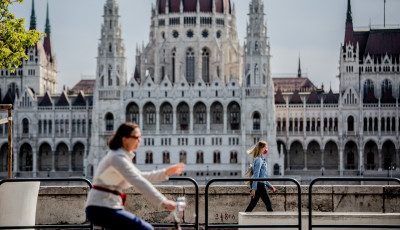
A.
x: 135, y: 137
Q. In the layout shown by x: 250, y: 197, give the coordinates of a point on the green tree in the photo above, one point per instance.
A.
x: 14, y: 39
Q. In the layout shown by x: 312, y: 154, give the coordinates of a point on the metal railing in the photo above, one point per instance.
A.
x: 81, y: 226
x: 196, y: 222
x: 207, y: 226
x: 310, y: 225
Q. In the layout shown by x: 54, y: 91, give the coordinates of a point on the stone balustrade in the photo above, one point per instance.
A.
x: 65, y: 204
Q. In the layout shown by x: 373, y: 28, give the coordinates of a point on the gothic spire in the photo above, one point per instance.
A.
x: 33, y: 17
x: 349, y: 17
x: 299, y: 70
x: 47, y: 28
x: 48, y: 46
x: 349, y: 34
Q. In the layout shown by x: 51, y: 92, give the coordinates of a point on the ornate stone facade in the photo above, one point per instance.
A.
x: 203, y: 99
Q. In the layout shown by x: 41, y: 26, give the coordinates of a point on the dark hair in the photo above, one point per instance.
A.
x: 124, y: 130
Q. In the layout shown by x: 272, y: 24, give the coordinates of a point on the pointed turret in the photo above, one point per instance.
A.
x: 48, y: 46
x: 33, y: 17
x: 299, y: 70
x: 349, y: 35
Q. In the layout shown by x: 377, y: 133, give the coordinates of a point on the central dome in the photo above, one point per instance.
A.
x: 221, y: 6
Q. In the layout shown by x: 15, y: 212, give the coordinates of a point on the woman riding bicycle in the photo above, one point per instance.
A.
x: 115, y: 172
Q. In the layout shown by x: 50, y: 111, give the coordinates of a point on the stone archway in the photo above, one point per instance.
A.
x: 331, y: 156
x: 371, y: 157
x: 296, y: 153
x: 62, y: 157
x: 389, y: 155
x: 351, y: 156
x: 77, y: 156
x: 314, y: 155
x: 25, y: 158
x: 45, y: 157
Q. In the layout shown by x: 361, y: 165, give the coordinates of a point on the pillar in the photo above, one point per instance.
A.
x: 208, y: 114
x: 341, y: 161
x: 34, y: 163
x: 70, y: 161
x: 380, y: 160
x: 305, y: 159
x: 158, y: 120
x: 174, y: 123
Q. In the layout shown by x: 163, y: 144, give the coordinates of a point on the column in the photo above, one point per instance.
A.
x: 191, y: 118
x: 53, y: 161
x: 322, y: 159
x: 226, y: 119
x: 288, y: 160
x: 361, y: 160
x: 341, y: 161
x: 70, y: 161
x: 34, y: 163
x: 140, y: 116
x: 174, y: 120
x: 380, y: 160
x: 208, y: 114
x: 305, y: 159
x: 15, y: 161
x: 158, y: 120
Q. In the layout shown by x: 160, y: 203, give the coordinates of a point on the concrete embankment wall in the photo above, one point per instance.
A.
x: 65, y: 205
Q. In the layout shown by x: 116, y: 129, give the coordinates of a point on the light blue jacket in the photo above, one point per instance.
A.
x: 260, y: 171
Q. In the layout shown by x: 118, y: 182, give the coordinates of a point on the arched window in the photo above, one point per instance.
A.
x: 173, y: 65
x: 248, y: 81
x: 350, y: 123
x: 234, y: 116
x: 234, y: 159
x: 256, y: 121
x: 200, y: 157
x: 368, y: 86
x: 256, y: 73
x: 200, y: 113
x: 25, y: 126
x: 166, y: 158
x: 182, y: 157
x: 217, y: 157
x: 166, y: 114
x: 109, y: 47
x: 190, y: 66
x: 206, y: 65
x: 183, y: 116
x: 109, y: 122
x: 386, y: 87
x: 216, y: 110
x: 150, y: 114
x: 132, y: 113
x: 109, y: 75
x: 149, y: 158
x: 102, y: 81
x: 13, y: 90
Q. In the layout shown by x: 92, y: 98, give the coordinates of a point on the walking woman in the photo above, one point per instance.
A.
x: 258, y: 189
x: 115, y: 172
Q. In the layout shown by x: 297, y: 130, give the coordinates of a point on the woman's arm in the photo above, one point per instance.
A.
x: 256, y: 172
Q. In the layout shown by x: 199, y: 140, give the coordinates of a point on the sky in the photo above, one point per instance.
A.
x: 309, y: 30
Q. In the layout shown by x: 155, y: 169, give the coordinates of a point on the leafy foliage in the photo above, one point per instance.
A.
x: 14, y: 39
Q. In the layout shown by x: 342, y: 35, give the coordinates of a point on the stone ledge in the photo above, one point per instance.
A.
x: 291, y: 218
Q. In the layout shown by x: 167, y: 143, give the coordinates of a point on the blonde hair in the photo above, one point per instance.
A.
x: 256, y: 151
